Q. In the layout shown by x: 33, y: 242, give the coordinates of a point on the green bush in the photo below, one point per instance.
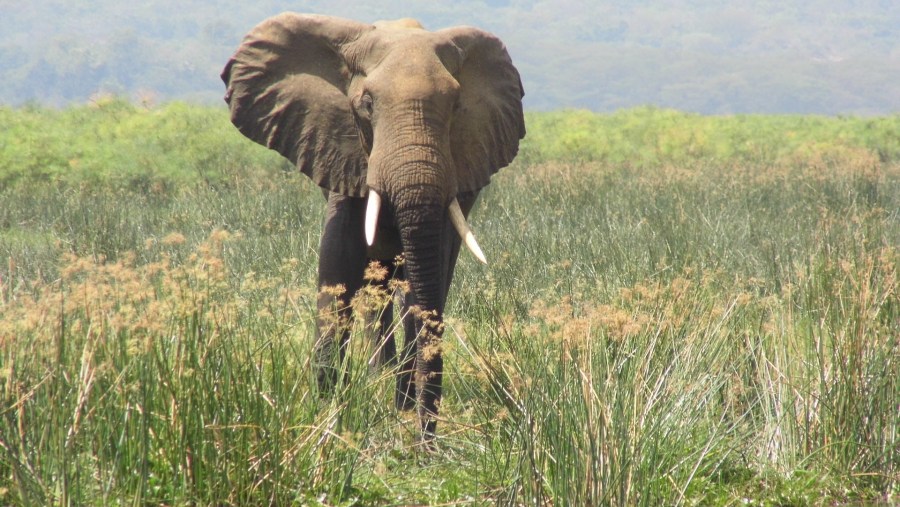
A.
x: 114, y: 142
x: 650, y: 137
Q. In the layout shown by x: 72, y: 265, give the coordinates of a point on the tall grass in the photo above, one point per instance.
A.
x: 710, y: 331
x: 697, y: 328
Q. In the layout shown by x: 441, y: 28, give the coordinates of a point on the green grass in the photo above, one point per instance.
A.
x: 650, y: 136
x: 699, y: 330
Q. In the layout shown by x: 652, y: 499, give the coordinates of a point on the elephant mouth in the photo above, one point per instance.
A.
x: 457, y: 218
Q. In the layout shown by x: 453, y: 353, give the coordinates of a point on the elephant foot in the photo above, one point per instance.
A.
x: 405, y: 395
x: 326, y: 381
x: 426, y: 438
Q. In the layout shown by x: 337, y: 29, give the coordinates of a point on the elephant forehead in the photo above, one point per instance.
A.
x: 399, y: 24
x: 414, y: 48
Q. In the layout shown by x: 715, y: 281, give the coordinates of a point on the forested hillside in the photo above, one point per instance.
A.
x: 805, y: 56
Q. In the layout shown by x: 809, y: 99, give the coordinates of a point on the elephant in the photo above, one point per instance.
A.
x: 401, y: 128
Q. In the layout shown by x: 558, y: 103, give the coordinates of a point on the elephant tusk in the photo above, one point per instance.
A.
x: 459, y: 223
x: 372, y: 210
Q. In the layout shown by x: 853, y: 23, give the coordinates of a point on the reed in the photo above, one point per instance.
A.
x: 710, y: 330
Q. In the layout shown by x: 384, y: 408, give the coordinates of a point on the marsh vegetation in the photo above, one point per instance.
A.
x: 678, y: 310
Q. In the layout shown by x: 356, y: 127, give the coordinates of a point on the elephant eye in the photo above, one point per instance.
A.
x: 366, y: 103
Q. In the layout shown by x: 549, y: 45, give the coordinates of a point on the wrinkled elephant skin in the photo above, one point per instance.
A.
x: 392, y: 121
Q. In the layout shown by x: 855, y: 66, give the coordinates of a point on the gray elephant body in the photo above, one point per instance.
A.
x: 421, y: 118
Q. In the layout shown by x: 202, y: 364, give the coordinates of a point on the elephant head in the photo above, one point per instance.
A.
x: 389, y: 111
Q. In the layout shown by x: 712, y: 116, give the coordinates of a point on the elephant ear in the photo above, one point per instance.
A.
x: 287, y: 90
x: 489, y: 122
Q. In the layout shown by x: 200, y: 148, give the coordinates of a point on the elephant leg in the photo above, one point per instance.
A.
x: 429, y: 374
x: 380, y: 319
x: 342, y: 261
x: 405, y: 396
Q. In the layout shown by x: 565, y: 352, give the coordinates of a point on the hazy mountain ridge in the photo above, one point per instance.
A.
x: 830, y: 57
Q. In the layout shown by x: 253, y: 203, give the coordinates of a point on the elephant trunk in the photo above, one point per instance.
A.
x: 420, y: 190
x: 423, y: 231
x: 419, y: 196
x: 427, y: 177
x: 422, y: 235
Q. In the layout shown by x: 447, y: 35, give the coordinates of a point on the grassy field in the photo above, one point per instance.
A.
x: 677, y: 310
